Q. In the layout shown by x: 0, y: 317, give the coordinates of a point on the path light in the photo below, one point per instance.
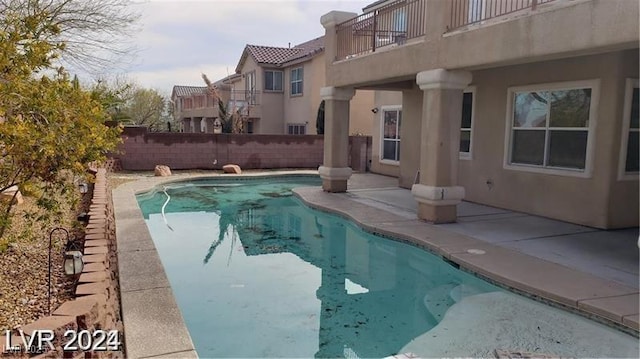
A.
x: 73, y: 262
x: 84, y: 188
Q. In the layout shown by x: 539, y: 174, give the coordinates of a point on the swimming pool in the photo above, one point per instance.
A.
x: 258, y: 274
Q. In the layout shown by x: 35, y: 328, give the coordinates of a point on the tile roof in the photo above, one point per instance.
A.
x: 188, y: 90
x: 279, y: 56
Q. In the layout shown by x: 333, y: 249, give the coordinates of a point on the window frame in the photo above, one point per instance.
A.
x: 297, y: 125
x: 398, y: 138
x: 469, y: 155
x: 587, y: 172
x: 300, y: 81
x: 623, y: 175
x: 264, y: 76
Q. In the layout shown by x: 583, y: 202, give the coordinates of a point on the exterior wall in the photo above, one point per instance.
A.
x: 556, y: 30
x: 383, y: 98
x: 360, y: 113
x: 142, y: 150
x: 597, y: 201
x: 624, y: 193
x: 304, y: 109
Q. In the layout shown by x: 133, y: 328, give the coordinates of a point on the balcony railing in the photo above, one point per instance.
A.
x: 467, y: 12
x: 391, y: 24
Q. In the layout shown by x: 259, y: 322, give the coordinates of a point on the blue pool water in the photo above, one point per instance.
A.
x: 258, y: 274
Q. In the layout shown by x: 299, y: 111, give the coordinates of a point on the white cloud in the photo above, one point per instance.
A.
x: 163, y: 80
x: 178, y: 37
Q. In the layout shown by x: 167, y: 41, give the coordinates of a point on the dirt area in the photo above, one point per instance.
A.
x: 24, y: 266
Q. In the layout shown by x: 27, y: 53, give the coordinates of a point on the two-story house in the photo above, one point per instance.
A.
x: 194, y: 108
x: 280, y: 89
x: 526, y: 105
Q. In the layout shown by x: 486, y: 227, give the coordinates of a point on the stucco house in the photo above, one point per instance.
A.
x: 194, y: 108
x: 279, y: 88
x: 526, y: 105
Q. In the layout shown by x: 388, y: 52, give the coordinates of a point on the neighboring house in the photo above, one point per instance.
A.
x: 194, y: 108
x: 278, y: 89
x: 529, y: 105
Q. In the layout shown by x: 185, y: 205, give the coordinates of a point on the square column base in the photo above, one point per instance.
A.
x: 334, y: 179
x: 437, y: 214
x: 437, y: 204
x: 334, y: 186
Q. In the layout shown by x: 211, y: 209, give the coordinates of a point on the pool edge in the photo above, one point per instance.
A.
x: 457, y: 254
x: 153, y: 323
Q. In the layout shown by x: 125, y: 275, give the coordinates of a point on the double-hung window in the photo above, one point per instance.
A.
x: 273, y: 80
x: 391, y: 122
x: 629, y: 156
x: 296, y: 81
x: 466, y: 124
x: 549, y: 127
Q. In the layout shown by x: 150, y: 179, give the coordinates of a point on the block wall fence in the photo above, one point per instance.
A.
x: 142, y: 150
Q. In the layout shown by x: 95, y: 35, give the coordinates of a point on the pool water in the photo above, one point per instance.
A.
x: 258, y: 274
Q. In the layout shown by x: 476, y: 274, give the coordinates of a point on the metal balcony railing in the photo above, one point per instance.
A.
x: 391, y: 24
x: 467, y: 12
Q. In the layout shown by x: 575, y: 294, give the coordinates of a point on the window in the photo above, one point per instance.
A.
x: 187, y: 103
x: 250, y: 87
x: 272, y: 80
x: 391, y: 121
x: 549, y: 126
x: 466, y: 123
x: 629, y: 160
x: 249, y: 126
x: 296, y: 129
x: 296, y: 81
x: 198, y: 102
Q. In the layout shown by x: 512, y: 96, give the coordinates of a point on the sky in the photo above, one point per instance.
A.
x: 178, y: 40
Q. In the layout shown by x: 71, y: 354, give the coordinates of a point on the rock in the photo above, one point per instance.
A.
x: 9, y: 193
x: 162, y: 171
x: 232, y: 169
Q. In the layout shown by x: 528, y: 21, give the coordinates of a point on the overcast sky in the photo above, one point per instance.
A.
x: 180, y: 39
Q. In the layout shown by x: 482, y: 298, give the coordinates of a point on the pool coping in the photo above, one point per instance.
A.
x: 154, y: 326
x: 153, y: 322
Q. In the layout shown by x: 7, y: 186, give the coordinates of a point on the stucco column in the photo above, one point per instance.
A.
x: 437, y: 192
x: 329, y: 22
x: 335, y: 170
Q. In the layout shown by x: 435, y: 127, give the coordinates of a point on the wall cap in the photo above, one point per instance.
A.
x: 332, y: 18
x: 337, y: 93
x: 443, y: 79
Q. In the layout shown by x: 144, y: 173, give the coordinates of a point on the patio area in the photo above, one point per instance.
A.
x: 592, y: 271
x: 611, y: 255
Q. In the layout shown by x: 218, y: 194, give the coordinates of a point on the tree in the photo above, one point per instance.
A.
x: 146, y: 107
x: 92, y: 35
x: 50, y: 127
x: 320, y: 119
x: 232, y: 121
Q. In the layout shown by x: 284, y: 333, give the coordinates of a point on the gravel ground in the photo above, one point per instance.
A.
x: 24, y: 269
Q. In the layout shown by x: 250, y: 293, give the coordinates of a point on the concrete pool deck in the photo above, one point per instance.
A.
x: 526, y: 253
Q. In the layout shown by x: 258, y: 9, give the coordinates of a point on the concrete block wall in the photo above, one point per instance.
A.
x: 96, y: 306
x: 142, y: 150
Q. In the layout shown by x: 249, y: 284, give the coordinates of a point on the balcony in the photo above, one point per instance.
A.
x: 244, y: 101
x: 468, y: 12
x: 390, y: 25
